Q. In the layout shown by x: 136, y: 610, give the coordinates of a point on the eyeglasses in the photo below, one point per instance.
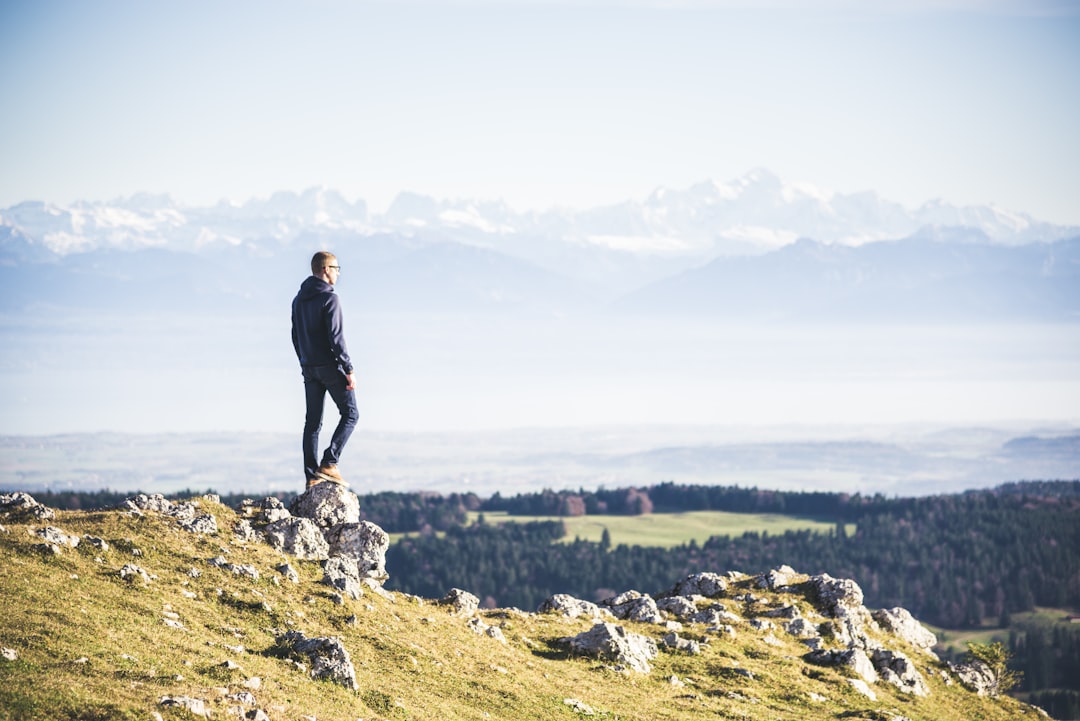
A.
x: 335, y: 267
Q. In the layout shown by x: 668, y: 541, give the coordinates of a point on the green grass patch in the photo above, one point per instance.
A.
x: 666, y: 530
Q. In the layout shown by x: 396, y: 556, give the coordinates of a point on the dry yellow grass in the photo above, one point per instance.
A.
x: 91, y: 646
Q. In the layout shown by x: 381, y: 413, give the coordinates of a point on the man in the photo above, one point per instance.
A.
x: 319, y: 340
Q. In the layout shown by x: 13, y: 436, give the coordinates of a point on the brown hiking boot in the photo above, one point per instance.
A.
x: 312, y: 481
x: 330, y: 473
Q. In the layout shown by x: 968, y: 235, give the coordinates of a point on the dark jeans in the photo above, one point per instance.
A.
x: 318, y: 381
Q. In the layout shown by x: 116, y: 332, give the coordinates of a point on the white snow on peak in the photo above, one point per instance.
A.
x: 471, y: 217
x: 760, y: 235
x: 644, y: 244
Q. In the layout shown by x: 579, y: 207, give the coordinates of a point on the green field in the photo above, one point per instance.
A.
x: 666, y: 530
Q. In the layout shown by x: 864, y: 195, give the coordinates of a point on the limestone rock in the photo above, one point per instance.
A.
x: 711, y: 585
x: 130, y: 572
x: 53, y: 535
x: 778, y: 578
x: 298, y: 537
x: 328, y: 504
x: 614, y: 643
x: 572, y: 607
x: 328, y: 656
x: 672, y: 640
x: 364, y: 542
x: 22, y: 506
x: 634, y: 606
x: 272, y: 510
x: 681, y: 607
x: 195, y: 706
x: 462, y: 603
x: 835, y: 594
x: 205, y: 524
x: 897, y: 669
x: 343, y: 574
x: 976, y: 676
x: 901, y: 623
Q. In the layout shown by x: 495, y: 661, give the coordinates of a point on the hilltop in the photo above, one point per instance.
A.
x: 195, y: 608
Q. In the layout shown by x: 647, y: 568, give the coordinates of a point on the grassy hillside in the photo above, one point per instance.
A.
x: 90, y: 645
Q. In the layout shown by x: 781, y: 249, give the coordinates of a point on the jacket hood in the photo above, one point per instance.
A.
x: 313, y: 287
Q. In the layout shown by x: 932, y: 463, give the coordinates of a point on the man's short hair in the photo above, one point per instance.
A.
x: 320, y: 260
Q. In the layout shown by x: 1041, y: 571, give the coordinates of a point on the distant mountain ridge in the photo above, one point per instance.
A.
x: 751, y: 214
x: 755, y: 247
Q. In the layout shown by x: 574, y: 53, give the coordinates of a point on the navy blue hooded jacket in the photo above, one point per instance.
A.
x: 317, y: 331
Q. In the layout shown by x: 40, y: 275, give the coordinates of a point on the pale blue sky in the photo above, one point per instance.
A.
x: 540, y: 103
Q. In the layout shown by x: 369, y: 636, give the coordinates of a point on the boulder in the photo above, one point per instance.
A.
x: 342, y: 573
x: 328, y: 504
x: 461, y: 603
x: 572, y: 607
x: 836, y: 594
x: 55, y: 536
x: 701, y: 584
x: 299, y: 537
x: 681, y: 607
x: 205, y: 524
x: 976, y: 676
x: 329, y: 658
x: 673, y: 640
x: 897, y: 669
x: 21, y: 506
x: 364, y: 542
x: 272, y: 509
x: 634, y: 606
x: 194, y: 706
x: 614, y: 643
x: 778, y: 578
x: 902, y: 624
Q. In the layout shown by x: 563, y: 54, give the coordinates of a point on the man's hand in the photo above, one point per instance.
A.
x: 350, y: 382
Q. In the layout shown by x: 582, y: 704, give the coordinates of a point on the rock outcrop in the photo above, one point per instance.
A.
x: 328, y: 656
x: 614, y: 643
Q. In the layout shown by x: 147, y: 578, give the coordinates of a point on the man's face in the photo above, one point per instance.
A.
x: 332, y: 272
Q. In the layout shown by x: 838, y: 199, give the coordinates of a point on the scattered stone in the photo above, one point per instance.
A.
x: 273, y: 510
x: 9, y: 654
x: 861, y: 686
x: 254, y: 683
x: 615, y: 643
x: 711, y: 585
x: 682, y: 607
x: 257, y: 715
x: 897, y: 669
x: 243, y: 569
x: 131, y: 572
x: 672, y: 640
x: 477, y: 626
x: 21, y: 506
x: 204, y: 524
x: 53, y: 535
x: 976, y: 676
x: 288, y: 572
x: 244, y: 531
x: 462, y: 603
x: 778, y: 578
x: 97, y: 543
x: 329, y: 657
x: 244, y: 697
x: 634, y: 606
x: 194, y: 705
x: 580, y: 707
x: 571, y: 607
x: 300, y: 537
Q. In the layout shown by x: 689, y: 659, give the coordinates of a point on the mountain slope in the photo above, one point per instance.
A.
x: 206, y: 623
x: 917, y: 278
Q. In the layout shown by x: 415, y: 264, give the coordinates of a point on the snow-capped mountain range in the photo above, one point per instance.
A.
x: 755, y: 213
x: 754, y: 247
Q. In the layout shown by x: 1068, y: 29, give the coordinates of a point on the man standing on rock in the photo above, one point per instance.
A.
x: 319, y: 339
